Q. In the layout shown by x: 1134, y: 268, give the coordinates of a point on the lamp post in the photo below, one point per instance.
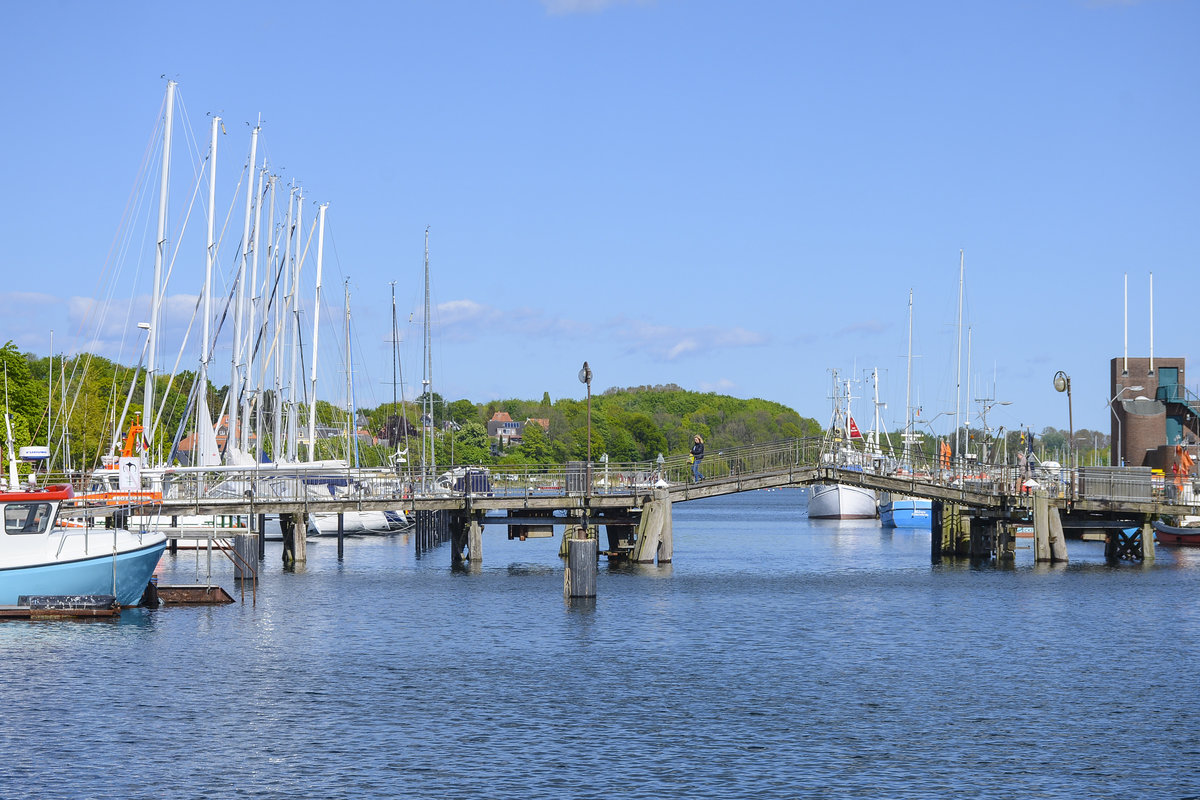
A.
x: 1062, y: 383
x: 1117, y: 417
x: 585, y: 376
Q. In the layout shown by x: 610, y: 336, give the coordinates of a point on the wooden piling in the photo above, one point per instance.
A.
x: 655, y: 537
x: 295, y: 538
x: 475, y: 539
x: 245, y: 556
x: 262, y: 536
x: 1041, y: 527
x: 937, y: 511
x: 341, y: 535
x: 582, y: 560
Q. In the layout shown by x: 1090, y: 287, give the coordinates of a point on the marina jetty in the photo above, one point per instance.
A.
x: 978, y: 510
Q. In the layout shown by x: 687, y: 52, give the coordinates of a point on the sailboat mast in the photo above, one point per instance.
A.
x: 967, y: 399
x: 235, y: 382
x: 159, y: 257
x: 312, y: 398
x: 252, y: 327
x: 277, y: 449
x: 428, y: 461
x: 908, y: 385
x: 293, y: 431
x: 269, y: 272
x: 958, y: 364
x: 351, y: 412
x: 202, y: 413
x: 50, y: 400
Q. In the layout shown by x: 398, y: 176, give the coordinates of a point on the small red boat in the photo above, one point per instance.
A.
x: 1172, y: 534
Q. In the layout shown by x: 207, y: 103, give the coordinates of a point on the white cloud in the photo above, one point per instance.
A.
x: 559, y: 7
x: 721, y: 385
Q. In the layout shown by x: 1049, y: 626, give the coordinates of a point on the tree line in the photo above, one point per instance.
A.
x: 84, y: 417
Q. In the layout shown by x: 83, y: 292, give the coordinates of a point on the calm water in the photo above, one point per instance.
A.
x: 777, y: 657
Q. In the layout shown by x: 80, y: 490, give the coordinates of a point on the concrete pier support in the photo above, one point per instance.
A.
x: 654, y: 531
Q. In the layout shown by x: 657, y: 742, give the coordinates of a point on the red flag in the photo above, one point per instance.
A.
x: 854, y: 432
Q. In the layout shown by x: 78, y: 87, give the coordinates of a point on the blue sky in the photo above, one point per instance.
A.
x: 732, y: 197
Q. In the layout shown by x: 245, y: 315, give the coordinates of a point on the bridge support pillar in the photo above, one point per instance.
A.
x: 1049, y: 543
x: 1136, y: 546
x: 983, y: 538
x: 466, y: 534
x: 579, y: 578
x: 949, y: 531
x: 620, y: 537
x: 1006, y: 546
x: 654, y: 531
x: 295, y: 538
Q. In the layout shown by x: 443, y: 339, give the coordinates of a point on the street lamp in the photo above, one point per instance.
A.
x: 585, y: 376
x: 1062, y: 383
x: 1120, y: 445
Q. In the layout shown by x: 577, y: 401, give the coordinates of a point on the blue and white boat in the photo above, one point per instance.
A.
x: 43, y: 554
x: 904, y: 511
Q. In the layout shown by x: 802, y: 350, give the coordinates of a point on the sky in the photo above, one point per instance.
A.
x: 730, y: 197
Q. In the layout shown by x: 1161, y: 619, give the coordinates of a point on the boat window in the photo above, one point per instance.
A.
x: 26, y: 517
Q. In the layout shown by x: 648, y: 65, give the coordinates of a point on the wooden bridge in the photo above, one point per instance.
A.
x: 976, y: 508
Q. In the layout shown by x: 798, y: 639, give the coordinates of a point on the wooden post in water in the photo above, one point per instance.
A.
x: 582, y: 559
x: 475, y: 539
x: 1058, y: 539
x: 1041, y: 527
x: 245, y: 561
x: 936, y: 514
x: 1147, y: 541
x: 295, y: 542
x: 341, y: 535
x: 262, y: 536
x: 961, y: 531
x: 1005, y: 544
x: 459, y: 535
x: 654, y: 531
x: 289, y: 539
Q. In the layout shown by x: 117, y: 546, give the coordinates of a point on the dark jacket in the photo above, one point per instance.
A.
x: 698, y: 450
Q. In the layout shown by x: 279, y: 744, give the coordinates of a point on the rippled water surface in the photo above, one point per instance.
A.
x: 776, y: 658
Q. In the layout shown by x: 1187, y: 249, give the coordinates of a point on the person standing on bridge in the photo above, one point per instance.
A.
x: 697, y: 454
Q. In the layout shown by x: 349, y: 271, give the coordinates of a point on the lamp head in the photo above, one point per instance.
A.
x: 1061, y: 381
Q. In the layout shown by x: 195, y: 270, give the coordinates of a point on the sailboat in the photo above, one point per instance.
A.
x: 838, y: 500
x: 898, y: 510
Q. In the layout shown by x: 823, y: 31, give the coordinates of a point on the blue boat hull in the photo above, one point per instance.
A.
x: 907, y: 513
x: 94, y: 575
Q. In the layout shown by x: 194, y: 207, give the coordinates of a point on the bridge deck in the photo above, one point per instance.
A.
x: 622, y: 487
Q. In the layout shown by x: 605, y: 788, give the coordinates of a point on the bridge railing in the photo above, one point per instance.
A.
x: 630, y: 478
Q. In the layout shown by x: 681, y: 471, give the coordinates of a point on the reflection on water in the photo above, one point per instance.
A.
x: 775, y: 657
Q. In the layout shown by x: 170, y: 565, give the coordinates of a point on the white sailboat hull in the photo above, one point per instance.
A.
x: 838, y: 501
